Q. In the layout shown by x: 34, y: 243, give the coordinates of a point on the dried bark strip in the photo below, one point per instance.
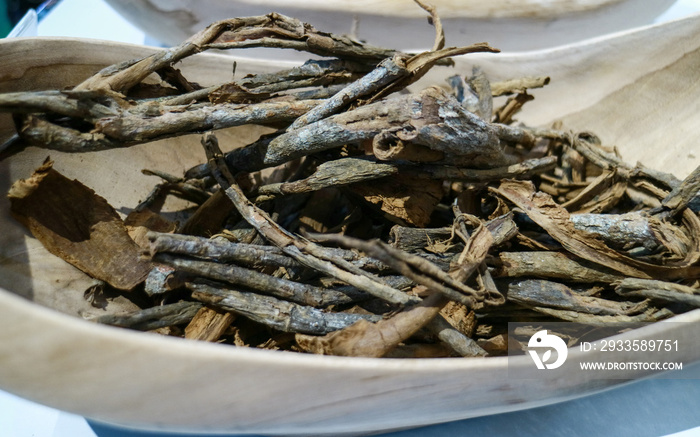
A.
x: 238, y: 33
x: 587, y: 147
x: 377, y: 339
x: 210, y: 217
x: 87, y: 105
x: 411, y: 239
x: 77, y: 225
x: 586, y: 201
x: 251, y: 255
x: 387, y: 71
x: 554, y: 265
x: 333, y: 173
x: 278, y: 31
x: 648, y: 316
x: 278, y: 314
x: 345, y: 171
x: 252, y: 279
x: 127, y: 129
x: 462, y: 344
x: 659, y: 290
x: 634, y: 229
x: 539, y: 293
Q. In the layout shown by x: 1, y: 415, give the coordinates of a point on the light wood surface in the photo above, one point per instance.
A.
x: 401, y: 24
x: 637, y: 90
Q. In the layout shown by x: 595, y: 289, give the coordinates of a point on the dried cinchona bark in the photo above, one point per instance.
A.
x: 374, y: 221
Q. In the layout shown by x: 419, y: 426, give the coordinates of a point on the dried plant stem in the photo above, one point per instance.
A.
x: 578, y: 317
x: 416, y: 268
x: 252, y: 279
x: 553, y: 265
x: 659, y: 290
x: 155, y: 317
x: 540, y: 293
x: 352, y: 170
x: 301, y: 250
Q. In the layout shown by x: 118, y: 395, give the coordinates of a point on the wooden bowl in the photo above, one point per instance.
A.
x: 401, y: 24
x: 638, y: 90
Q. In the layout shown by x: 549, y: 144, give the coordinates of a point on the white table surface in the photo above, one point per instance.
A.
x: 657, y: 407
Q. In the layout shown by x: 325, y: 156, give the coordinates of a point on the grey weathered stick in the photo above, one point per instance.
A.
x: 452, y: 131
x: 351, y: 170
x: 321, y: 71
x: 386, y: 72
x: 153, y: 318
x: 88, y: 105
x: 311, y: 73
x: 221, y: 251
x: 334, y: 173
x: 540, y: 293
x: 481, y: 86
x: 133, y: 126
x: 289, y: 33
x: 130, y: 128
x: 251, y: 255
x: 459, y: 342
x: 522, y: 170
x: 659, y: 290
x: 273, y: 30
x: 594, y: 320
x: 275, y: 313
x: 608, y: 161
x: 252, y: 279
x: 554, y: 265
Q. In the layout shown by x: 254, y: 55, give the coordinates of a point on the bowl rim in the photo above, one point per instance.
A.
x: 204, y: 350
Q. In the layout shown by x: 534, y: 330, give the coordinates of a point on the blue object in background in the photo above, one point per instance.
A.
x: 13, y: 11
